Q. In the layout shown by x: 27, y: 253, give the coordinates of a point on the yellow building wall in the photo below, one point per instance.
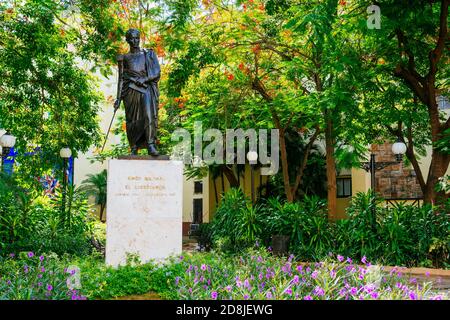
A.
x: 245, y: 183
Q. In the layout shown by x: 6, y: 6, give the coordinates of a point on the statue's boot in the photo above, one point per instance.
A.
x: 152, y: 150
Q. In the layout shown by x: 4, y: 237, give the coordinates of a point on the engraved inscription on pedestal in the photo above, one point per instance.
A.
x: 144, y: 210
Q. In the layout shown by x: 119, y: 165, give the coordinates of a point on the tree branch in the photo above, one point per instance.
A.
x: 436, y: 54
x: 304, y: 162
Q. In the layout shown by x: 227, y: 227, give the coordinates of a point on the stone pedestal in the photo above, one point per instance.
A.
x: 144, y: 209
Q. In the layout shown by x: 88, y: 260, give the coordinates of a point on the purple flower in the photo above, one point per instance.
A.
x: 42, y: 269
x: 436, y: 298
x: 246, y: 297
x: 41, y: 258
x: 412, y: 295
x: 353, y: 291
x: 25, y: 269
x: 269, y: 249
x: 269, y: 295
x: 12, y: 255
x: 49, y: 287
x: 181, y: 258
x: 39, y: 284
x: 314, y: 275
x: 364, y: 260
x: 319, y: 291
x: 177, y: 280
x: 332, y: 274
x: 300, y: 269
x: 427, y: 274
x: 203, y: 267
x: 260, y: 259
x: 342, y: 292
x: 369, y: 288
x: 398, y: 285
x: 307, y: 298
x: 39, y: 276
x: 260, y: 276
x: 286, y: 268
x: 349, y: 260
x: 214, y: 295
x: 288, y: 291
x: 374, y: 295
x: 246, y: 283
x: 296, y: 280
x: 413, y: 280
x: 30, y: 254
x: 340, y: 258
x: 238, y: 283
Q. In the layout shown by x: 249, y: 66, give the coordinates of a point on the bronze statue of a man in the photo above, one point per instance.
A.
x: 139, y: 73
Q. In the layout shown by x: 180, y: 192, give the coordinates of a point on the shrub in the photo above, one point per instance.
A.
x: 30, y: 221
x: 402, y: 235
x: 236, y: 224
x: 306, y: 223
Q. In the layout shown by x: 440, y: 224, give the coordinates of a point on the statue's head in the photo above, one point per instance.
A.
x: 133, y: 37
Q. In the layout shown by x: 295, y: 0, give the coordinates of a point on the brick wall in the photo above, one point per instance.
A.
x: 395, y: 181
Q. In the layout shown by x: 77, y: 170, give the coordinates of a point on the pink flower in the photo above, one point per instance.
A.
x: 412, y: 295
x: 340, y: 258
x: 288, y: 291
x: 214, y: 295
x: 307, y: 298
x: 319, y: 291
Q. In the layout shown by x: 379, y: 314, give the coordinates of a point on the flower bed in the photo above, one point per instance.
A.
x: 260, y: 276
x: 31, y: 277
x: 255, y: 275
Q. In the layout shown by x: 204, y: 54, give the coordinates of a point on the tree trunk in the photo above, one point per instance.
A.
x: 438, y: 168
x: 102, y: 208
x: 331, y: 166
x: 229, y: 173
x: 426, y: 90
x: 284, y: 166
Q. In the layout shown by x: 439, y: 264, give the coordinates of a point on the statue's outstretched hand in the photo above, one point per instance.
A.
x: 116, y: 104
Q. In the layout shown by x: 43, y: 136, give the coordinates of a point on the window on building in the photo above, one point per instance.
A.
x: 198, y: 211
x: 344, y: 187
x: 198, y: 187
